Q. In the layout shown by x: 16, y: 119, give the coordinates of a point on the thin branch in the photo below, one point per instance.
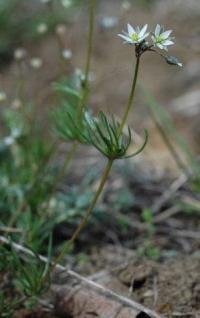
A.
x: 87, y: 282
x: 169, y: 193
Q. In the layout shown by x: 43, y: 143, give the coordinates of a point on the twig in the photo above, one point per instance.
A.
x: 188, y: 234
x: 88, y: 283
x: 174, y: 187
x: 10, y: 229
x: 193, y: 202
x: 166, y: 214
x: 27, y: 251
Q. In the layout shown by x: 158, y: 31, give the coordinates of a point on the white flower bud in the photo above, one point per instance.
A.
x: 108, y: 22
x: 61, y: 29
x: 16, y: 132
x: 19, y: 54
x: 42, y: 28
x: 36, y: 62
x: 67, y: 54
x: 9, y: 140
x: 66, y: 3
x: 126, y: 5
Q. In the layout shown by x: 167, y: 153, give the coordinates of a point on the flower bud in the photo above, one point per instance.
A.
x: 67, y: 54
x: 172, y: 60
x: 66, y: 3
x: 61, y: 29
x: 42, y: 28
x: 19, y: 54
x: 36, y: 62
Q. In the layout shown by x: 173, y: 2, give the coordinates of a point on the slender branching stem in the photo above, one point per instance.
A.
x: 63, y: 169
x: 83, y: 95
x: 85, y: 83
x: 89, y: 211
x: 105, y: 173
x: 131, y: 96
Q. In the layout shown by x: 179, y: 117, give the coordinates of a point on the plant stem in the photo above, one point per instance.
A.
x: 105, y: 173
x: 131, y: 96
x: 84, y: 93
x: 85, y: 84
x: 63, y: 170
x: 89, y: 211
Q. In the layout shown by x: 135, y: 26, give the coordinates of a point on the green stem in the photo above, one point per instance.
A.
x: 131, y: 96
x: 20, y: 93
x: 84, y: 94
x: 89, y: 211
x: 85, y: 88
x: 104, y: 176
x: 63, y: 170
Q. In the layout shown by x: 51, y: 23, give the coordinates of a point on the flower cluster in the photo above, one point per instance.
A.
x: 160, y: 39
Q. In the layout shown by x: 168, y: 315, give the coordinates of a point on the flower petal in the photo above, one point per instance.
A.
x: 166, y: 34
x: 157, y: 29
x: 126, y: 38
x: 144, y: 36
x: 130, y: 29
x: 160, y: 46
x: 167, y: 42
x: 143, y: 30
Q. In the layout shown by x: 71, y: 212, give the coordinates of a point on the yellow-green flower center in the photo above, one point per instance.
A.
x: 159, y: 39
x: 134, y: 37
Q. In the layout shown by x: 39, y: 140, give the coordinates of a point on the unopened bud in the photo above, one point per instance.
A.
x: 172, y: 60
x: 42, y: 28
x: 36, y: 62
x: 67, y: 54
x: 61, y: 29
x: 19, y: 54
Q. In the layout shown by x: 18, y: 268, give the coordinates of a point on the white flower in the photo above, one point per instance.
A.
x: 126, y: 5
x: 67, y: 54
x: 16, y: 132
x: 9, y: 140
x: 66, y: 3
x: 42, y: 28
x: 162, y: 38
x: 108, y: 22
x: 36, y: 62
x: 135, y: 36
x: 61, y: 29
x: 19, y: 54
